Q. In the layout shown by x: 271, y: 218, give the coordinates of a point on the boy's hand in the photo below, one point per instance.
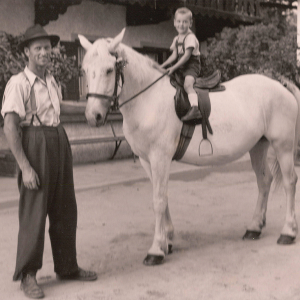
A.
x: 171, y: 70
x: 159, y: 67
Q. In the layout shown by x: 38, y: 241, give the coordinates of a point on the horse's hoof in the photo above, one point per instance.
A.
x: 251, y: 235
x: 285, y: 239
x: 170, y: 251
x: 153, y: 260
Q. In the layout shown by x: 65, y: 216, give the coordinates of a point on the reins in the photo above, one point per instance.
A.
x: 119, y: 74
x: 142, y: 91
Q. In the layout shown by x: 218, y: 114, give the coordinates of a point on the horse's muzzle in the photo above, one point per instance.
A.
x: 99, y: 120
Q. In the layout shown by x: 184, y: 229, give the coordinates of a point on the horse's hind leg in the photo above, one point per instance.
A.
x: 258, y: 155
x: 285, y: 156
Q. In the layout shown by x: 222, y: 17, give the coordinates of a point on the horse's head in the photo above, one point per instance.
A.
x: 104, y: 77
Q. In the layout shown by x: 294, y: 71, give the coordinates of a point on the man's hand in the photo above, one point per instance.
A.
x: 12, y: 132
x: 30, y: 178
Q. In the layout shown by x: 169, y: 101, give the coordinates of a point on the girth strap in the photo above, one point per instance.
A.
x: 186, y: 135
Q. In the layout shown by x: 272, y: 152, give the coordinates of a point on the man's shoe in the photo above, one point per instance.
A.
x: 192, y: 114
x: 30, y: 288
x: 81, y: 275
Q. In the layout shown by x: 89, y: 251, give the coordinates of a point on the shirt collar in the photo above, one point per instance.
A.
x: 32, y: 77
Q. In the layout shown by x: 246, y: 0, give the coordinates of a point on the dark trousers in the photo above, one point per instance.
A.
x: 49, y: 153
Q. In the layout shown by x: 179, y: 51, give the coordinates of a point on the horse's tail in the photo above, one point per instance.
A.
x: 295, y: 91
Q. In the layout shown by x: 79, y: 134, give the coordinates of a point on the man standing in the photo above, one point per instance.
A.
x: 31, y: 110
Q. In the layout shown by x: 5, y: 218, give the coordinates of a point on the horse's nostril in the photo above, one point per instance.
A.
x: 98, y: 117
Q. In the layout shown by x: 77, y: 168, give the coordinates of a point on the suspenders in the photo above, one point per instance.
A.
x: 33, y: 104
x: 181, y: 44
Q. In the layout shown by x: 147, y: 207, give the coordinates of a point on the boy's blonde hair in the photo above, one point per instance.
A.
x: 184, y: 11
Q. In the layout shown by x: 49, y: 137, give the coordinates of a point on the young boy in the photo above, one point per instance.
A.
x: 186, y: 53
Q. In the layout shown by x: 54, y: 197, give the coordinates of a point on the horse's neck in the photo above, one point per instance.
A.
x: 136, y: 80
x: 136, y: 113
x: 135, y: 83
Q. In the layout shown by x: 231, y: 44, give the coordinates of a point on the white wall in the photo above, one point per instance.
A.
x: 106, y: 20
x: 90, y: 19
x: 16, y: 15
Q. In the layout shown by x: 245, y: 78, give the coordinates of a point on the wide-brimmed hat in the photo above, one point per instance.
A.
x: 37, y: 32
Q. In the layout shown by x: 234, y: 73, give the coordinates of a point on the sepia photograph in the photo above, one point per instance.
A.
x: 149, y: 149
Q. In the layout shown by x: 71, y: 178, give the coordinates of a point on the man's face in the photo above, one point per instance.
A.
x: 38, y: 52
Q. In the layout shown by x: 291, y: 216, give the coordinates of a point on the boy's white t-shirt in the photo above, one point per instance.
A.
x: 189, y: 42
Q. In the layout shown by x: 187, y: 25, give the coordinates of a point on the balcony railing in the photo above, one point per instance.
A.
x: 236, y: 10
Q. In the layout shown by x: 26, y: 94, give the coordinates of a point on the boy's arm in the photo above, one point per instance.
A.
x: 171, y: 58
x: 12, y: 133
x: 182, y: 61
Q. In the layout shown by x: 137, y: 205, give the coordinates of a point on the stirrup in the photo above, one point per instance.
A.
x: 205, y: 148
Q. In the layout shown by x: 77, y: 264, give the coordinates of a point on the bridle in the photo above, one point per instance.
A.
x: 114, y: 99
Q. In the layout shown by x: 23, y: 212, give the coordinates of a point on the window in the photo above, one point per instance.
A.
x: 71, y: 91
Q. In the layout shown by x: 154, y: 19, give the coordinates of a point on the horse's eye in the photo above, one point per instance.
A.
x: 109, y: 71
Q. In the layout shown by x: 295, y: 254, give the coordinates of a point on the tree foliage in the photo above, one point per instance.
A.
x: 268, y: 47
x: 12, y: 61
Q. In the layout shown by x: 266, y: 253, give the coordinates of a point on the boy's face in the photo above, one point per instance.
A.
x: 182, y: 23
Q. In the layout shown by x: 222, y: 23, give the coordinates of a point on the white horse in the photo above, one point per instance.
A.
x: 253, y: 113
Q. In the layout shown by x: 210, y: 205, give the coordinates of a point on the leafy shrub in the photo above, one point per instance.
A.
x: 268, y: 48
x: 12, y: 62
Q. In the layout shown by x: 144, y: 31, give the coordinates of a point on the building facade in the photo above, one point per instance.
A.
x: 149, y: 23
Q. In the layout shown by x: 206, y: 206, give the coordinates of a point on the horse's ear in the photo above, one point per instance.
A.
x: 116, y: 41
x: 85, y: 43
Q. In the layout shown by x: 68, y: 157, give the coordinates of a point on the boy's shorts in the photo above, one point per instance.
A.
x: 192, y: 67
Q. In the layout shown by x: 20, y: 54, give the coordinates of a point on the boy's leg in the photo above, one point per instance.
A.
x: 189, y: 88
x: 194, y: 112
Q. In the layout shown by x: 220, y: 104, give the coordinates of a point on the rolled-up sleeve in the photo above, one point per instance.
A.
x: 13, y: 99
x: 190, y: 42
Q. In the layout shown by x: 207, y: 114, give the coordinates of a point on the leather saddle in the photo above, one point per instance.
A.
x: 211, y: 82
x: 202, y: 86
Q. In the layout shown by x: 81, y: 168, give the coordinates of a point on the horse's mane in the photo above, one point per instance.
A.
x: 140, y: 67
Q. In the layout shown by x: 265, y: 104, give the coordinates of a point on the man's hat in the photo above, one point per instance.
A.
x: 37, y: 32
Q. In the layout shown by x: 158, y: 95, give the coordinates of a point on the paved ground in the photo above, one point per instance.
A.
x: 210, y: 208
x: 92, y: 176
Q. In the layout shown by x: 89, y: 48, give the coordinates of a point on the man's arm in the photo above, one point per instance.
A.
x: 71, y: 107
x: 12, y: 133
x: 186, y: 56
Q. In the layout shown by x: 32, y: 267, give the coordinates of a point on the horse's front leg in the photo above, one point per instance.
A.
x: 160, y: 170
x: 169, y: 230
x: 168, y: 221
